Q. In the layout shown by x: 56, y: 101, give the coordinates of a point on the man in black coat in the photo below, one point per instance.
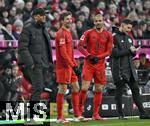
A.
x: 123, y: 70
x: 35, y: 53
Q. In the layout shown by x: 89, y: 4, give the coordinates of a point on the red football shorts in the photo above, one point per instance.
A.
x: 98, y: 73
x: 65, y: 76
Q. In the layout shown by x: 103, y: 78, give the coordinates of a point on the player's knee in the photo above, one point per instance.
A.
x: 85, y: 85
x: 84, y: 88
x: 75, y: 89
x: 99, y: 89
x: 62, y: 89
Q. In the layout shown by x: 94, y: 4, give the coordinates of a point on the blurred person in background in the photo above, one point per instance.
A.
x: 52, y: 33
x: 4, y: 16
x: 141, y: 30
x: 80, y: 29
x: 8, y: 32
x: 19, y: 4
x: 74, y: 6
x: 18, y: 24
x: 19, y: 14
x: 87, y: 23
x: 144, y: 62
x: 12, y: 14
x: 132, y: 5
x: 101, y: 6
x: 41, y: 3
x: 63, y: 4
x: 82, y: 18
x: 132, y: 16
x: 113, y: 9
x: 2, y: 3
x: 146, y: 6
x: 27, y: 10
x: 147, y: 31
x: 74, y: 31
x: 141, y: 16
x: 86, y: 11
x: 136, y: 63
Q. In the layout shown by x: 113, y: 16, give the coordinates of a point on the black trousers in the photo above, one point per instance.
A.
x: 37, y: 77
x: 2, y: 91
x: 135, y: 94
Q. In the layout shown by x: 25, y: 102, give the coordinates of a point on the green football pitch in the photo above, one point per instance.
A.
x: 132, y: 121
x: 109, y: 122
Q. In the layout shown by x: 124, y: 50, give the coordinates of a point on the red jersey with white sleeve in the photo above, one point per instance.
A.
x: 64, y: 49
x: 97, y: 44
x: 64, y: 57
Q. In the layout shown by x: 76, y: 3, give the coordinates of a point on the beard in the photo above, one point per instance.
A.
x: 99, y: 26
x: 41, y: 23
x: 68, y: 25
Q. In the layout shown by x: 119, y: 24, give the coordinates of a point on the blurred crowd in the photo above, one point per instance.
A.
x: 17, y: 13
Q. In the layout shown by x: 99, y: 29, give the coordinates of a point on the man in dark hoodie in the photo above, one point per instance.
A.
x: 35, y: 53
x: 123, y: 70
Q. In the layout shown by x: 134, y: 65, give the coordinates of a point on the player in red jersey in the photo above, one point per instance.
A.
x: 66, y: 67
x: 98, y: 43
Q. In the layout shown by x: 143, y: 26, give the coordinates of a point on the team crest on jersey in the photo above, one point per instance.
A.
x: 82, y: 37
x: 103, y: 38
x: 62, y: 41
x: 130, y: 41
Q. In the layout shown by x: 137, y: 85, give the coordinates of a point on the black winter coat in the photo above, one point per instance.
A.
x: 121, y: 57
x: 30, y: 45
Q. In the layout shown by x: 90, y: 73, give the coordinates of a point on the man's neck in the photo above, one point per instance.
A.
x: 121, y: 30
x: 68, y: 29
x: 99, y: 30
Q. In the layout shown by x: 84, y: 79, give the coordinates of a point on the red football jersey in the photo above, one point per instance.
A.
x: 64, y: 49
x: 97, y: 43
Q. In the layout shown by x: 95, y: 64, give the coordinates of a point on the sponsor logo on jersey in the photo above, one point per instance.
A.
x: 103, y: 38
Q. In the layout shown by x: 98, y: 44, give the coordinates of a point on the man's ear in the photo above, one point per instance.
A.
x: 36, y: 16
x: 123, y: 25
x: 61, y: 22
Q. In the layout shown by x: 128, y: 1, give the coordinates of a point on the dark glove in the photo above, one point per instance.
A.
x: 93, y: 59
x: 76, y: 71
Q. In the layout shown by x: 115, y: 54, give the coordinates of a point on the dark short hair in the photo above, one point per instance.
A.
x: 142, y: 55
x: 38, y: 11
x: 127, y: 21
x: 65, y: 14
x: 136, y: 58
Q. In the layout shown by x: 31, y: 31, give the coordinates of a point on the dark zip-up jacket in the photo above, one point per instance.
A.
x: 33, y: 46
x: 121, y: 57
